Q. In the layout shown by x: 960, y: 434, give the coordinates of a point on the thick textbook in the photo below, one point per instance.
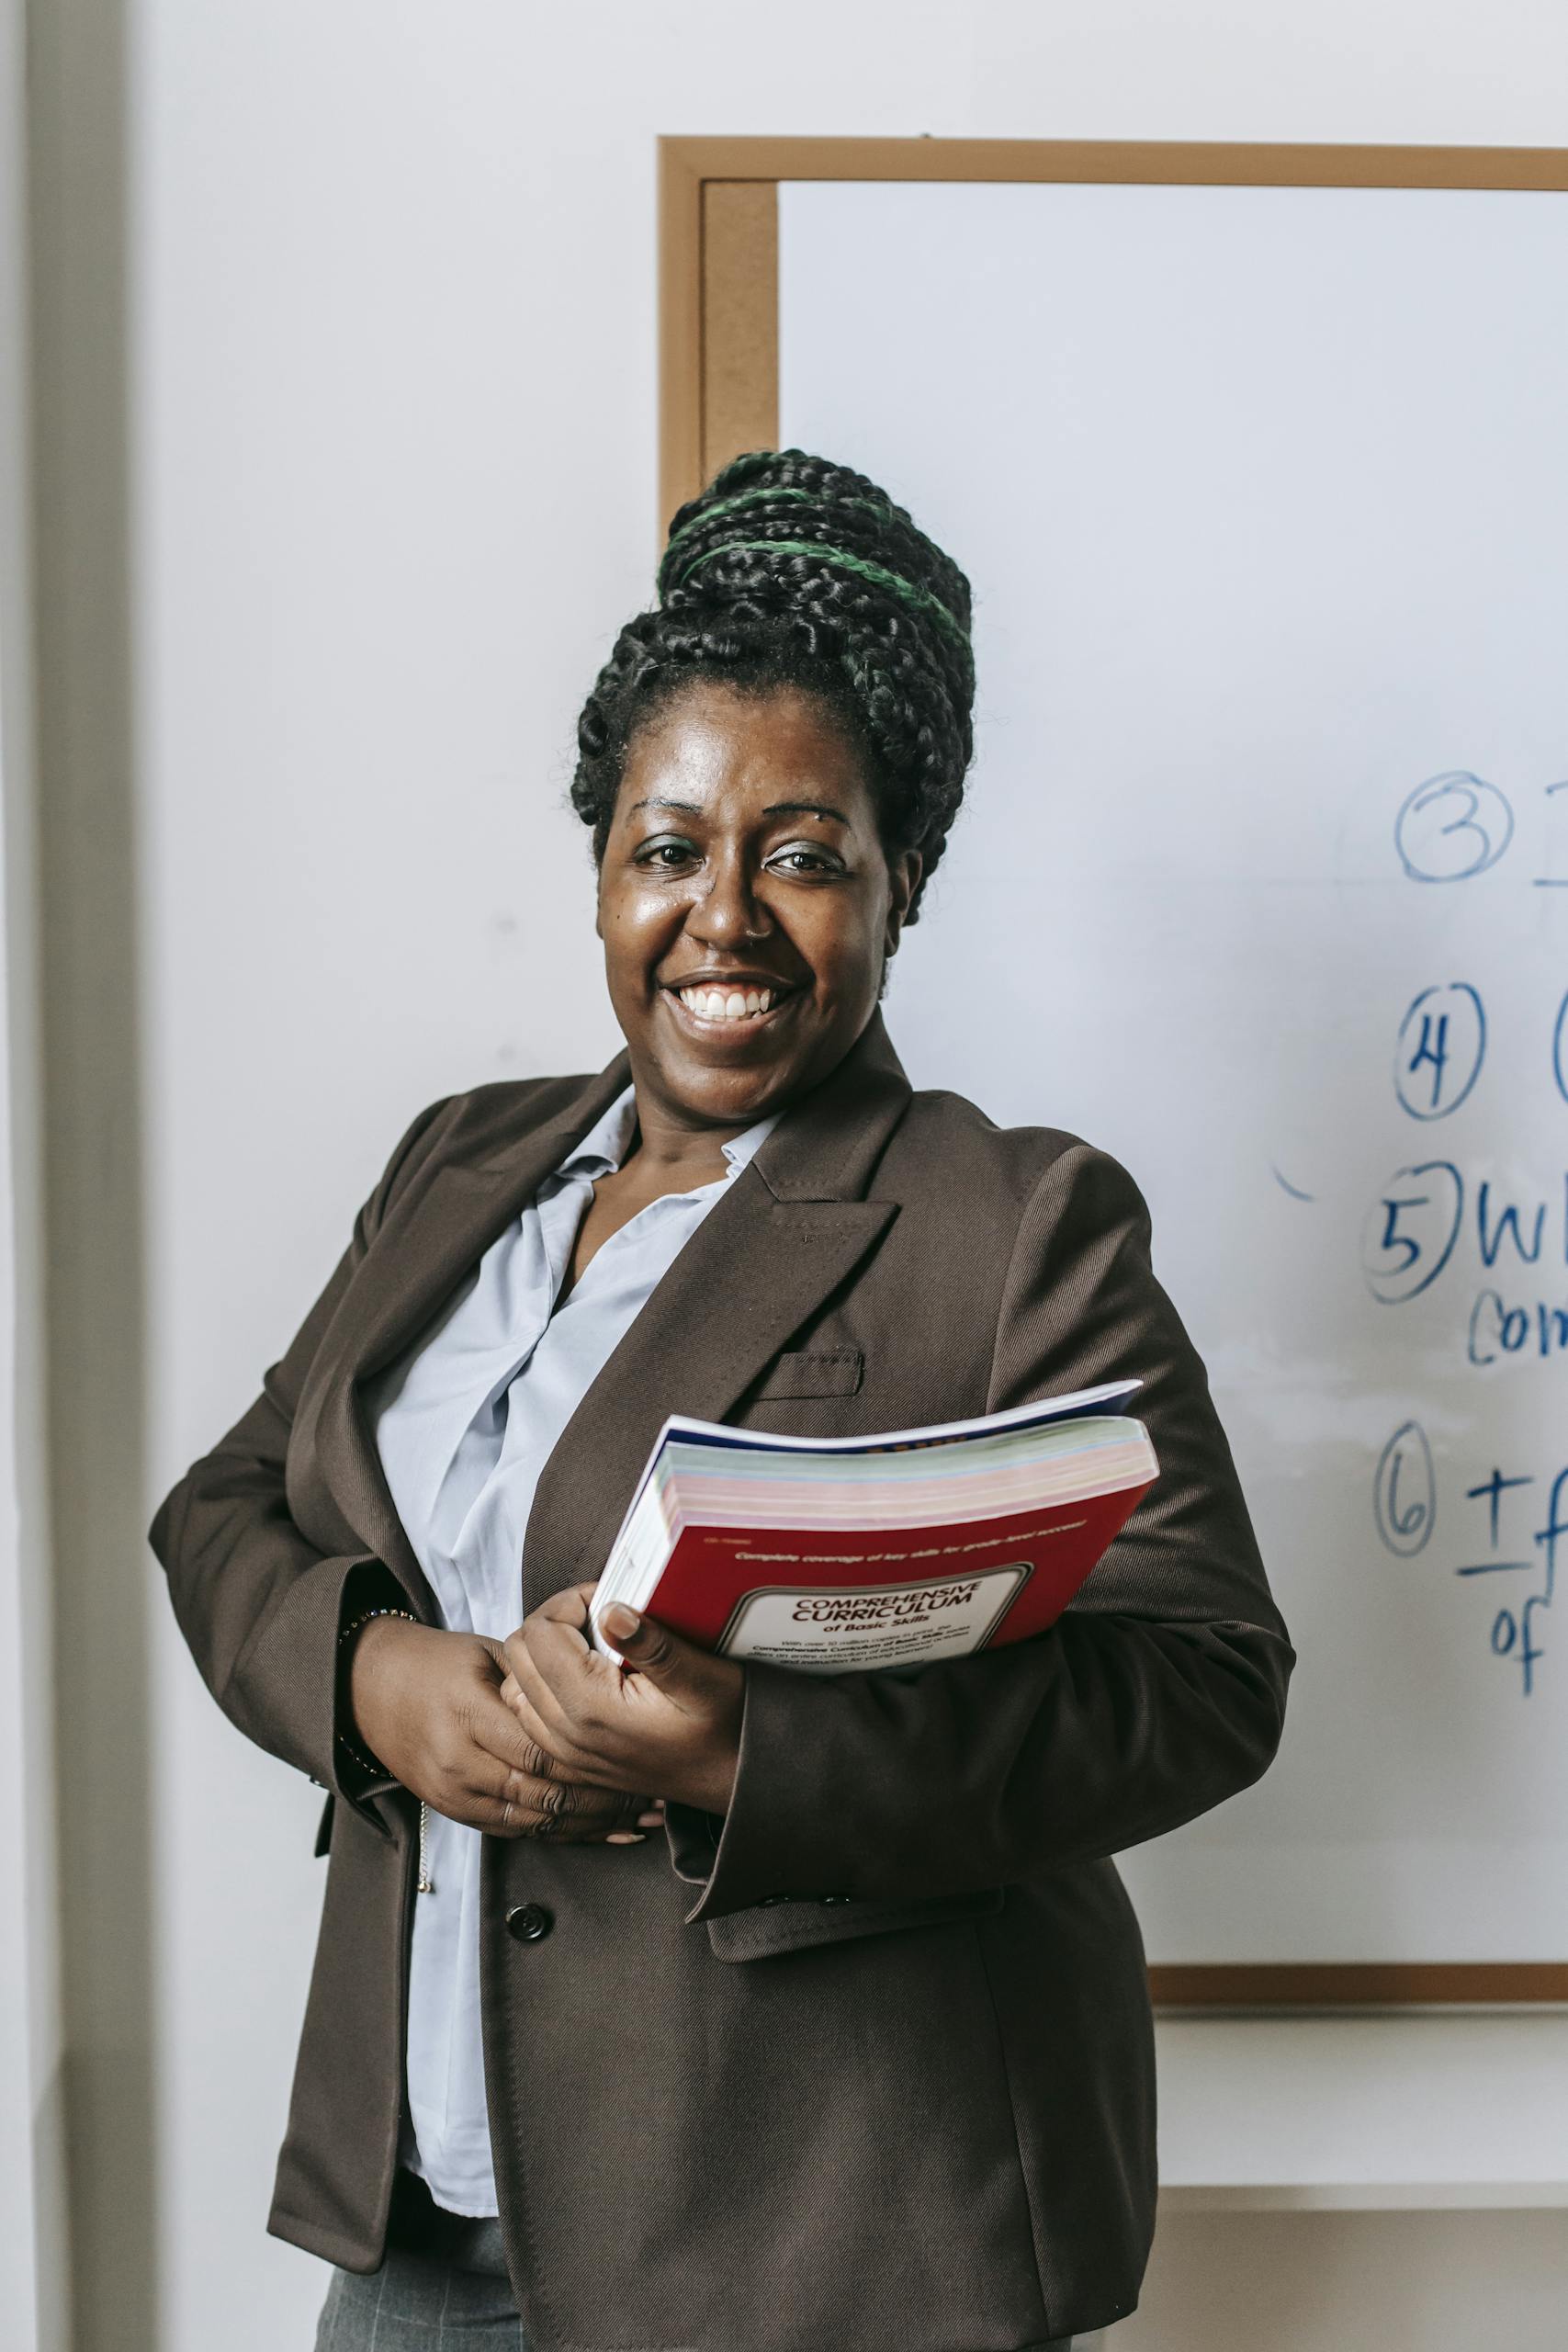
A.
x: 834, y: 1555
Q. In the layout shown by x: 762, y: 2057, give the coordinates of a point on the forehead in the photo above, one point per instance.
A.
x: 713, y: 744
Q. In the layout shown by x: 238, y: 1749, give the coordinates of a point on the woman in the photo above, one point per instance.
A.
x: 711, y: 2007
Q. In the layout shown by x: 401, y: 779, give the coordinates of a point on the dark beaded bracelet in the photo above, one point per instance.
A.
x: 370, y: 1764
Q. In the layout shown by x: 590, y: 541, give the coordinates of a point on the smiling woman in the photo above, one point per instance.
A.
x: 770, y: 763
x: 745, y: 902
x: 699, y: 2005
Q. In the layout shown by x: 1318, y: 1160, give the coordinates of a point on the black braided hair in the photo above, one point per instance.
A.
x: 790, y: 570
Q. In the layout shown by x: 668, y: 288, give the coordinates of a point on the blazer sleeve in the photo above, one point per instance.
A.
x: 260, y: 1606
x: 1160, y: 1694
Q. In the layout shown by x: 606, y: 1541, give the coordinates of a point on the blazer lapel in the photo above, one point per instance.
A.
x: 793, y: 1227
x: 432, y: 1239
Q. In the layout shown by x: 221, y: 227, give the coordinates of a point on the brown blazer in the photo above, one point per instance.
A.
x: 868, y: 2062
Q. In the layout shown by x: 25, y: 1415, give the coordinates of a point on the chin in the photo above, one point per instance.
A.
x: 741, y: 1092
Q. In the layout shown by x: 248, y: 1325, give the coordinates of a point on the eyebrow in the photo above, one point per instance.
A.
x: 775, y: 808
x: 804, y: 807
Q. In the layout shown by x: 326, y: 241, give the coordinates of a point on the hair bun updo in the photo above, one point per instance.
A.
x: 788, y: 570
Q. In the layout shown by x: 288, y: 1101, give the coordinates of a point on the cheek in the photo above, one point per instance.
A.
x: 634, y: 922
x: 846, y: 948
x: 621, y: 902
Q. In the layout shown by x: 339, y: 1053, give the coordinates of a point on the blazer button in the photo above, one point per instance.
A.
x: 766, y: 1902
x: 837, y: 1898
x: 529, y: 1921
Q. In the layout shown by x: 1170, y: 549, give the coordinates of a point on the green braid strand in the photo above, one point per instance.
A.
x: 908, y: 592
x: 768, y: 497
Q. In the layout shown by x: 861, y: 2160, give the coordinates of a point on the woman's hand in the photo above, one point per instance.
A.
x: 428, y: 1705
x: 673, y: 1724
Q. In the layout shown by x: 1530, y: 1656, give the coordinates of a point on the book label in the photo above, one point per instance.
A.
x: 835, y: 1631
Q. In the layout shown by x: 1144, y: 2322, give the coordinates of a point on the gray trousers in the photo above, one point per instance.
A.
x: 443, y: 2288
x: 444, y: 2284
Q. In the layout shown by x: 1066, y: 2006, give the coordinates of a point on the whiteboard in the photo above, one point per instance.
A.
x: 1262, y: 884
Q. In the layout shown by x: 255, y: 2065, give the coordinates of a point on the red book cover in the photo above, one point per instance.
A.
x: 829, y: 1601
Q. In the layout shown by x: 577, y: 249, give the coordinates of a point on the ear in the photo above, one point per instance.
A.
x: 904, y: 872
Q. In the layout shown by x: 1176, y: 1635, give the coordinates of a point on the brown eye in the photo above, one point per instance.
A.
x: 808, y: 861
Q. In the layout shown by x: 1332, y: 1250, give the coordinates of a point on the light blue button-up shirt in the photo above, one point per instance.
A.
x: 464, y: 1425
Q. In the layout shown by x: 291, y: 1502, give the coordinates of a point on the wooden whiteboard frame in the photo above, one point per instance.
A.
x: 720, y: 395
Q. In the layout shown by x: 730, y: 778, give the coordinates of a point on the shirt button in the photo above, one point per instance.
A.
x: 529, y: 1921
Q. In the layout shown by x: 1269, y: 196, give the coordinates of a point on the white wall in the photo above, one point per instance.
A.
x: 388, y: 272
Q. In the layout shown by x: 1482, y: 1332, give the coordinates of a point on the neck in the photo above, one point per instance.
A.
x: 670, y: 1139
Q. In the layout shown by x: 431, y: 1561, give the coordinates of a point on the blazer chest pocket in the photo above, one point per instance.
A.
x: 795, y: 1923
x: 813, y: 1372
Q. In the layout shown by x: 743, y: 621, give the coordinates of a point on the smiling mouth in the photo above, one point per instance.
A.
x: 717, y: 1007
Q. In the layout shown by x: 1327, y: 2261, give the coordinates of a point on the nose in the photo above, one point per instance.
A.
x: 728, y: 913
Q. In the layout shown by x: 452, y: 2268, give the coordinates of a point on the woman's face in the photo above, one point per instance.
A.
x: 744, y: 902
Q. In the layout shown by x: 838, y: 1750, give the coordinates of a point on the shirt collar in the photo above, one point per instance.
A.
x: 603, y: 1147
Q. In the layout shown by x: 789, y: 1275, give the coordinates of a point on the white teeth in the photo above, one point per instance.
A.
x: 727, y: 1004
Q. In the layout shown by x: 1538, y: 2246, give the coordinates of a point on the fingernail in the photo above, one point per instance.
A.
x: 625, y: 1838
x: 654, y: 1820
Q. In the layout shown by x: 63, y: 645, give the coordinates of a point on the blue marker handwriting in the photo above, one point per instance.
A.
x: 1431, y: 1215
x: 1493, y: 1535
x: 1456, y: 826
x: 1441, y: 1045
